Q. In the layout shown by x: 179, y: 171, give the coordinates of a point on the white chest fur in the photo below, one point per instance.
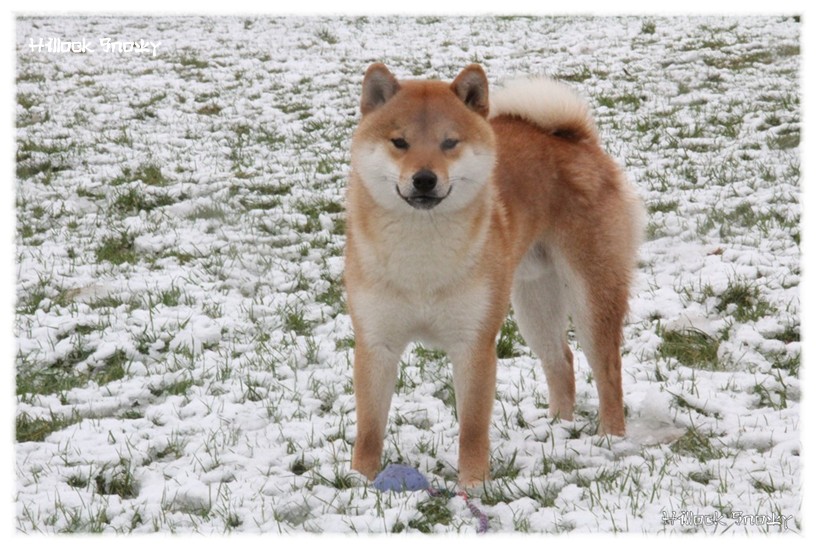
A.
x: 420, y: 282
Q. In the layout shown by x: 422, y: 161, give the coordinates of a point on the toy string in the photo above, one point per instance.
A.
x: 477, y: 513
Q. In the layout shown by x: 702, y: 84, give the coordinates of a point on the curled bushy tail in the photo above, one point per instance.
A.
x: 554, y: 107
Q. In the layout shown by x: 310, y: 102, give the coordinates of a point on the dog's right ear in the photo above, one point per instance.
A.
x: 379, y: 85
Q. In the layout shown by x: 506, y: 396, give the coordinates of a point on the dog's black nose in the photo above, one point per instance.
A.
x: 424, y: 180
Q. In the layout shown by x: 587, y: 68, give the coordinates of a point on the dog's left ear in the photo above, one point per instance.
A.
x: 471, y: 87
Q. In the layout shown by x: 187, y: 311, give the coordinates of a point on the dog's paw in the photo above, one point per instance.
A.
x: 356, y: 479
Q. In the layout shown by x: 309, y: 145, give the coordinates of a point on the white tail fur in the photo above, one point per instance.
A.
x: 553, y: 106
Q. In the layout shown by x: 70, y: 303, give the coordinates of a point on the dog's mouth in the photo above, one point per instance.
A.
x: 424, y: 200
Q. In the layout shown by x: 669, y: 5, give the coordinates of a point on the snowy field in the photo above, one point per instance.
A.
x: 183, y: 347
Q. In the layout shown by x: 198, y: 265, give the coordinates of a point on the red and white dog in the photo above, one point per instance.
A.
x: 458, y: 205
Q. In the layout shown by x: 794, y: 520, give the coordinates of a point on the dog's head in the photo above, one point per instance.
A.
x: 424, y: 145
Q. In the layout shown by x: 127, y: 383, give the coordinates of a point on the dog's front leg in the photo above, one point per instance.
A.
x: 375, y: 374
x: 474, y: 381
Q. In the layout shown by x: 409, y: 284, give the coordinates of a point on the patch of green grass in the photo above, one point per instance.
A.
x: 46, y: 167
x: 276, y: 189
x: 567, y: 465
x: 583, y: 73
x: 294, y: 107
x: 739, y: 61
x: 119, y: 481
x: 505, y: 468
x: 37, y: 429
x: 345, y: 343
x: 175, y: 388
x: 445, y: 393
x: 606, y: 101
x: 94, y: 521
x: 327, y: 36
x: 766, y: 487
x: 188, y: 59
x: 150, y: 174
x: 77, y: 482
x: 212, y: 211
x: 170, y: 297
x: 788, y: 50
x: 746, y: 215
x: 433, y: 511
x: 428, y: 354
x: 294, y: 320
x: 26, y: 100
x: 680, y: 401
x: 118, y: 249
x: 144, y: 114
x: 26, y: 149
x: 61, y: 376
x: 727, y: 126
x: 125, y: 177
x: 509, y: 340
x: 695, y: 444
x: 58, y: 377
x: 174, y: 448
x: 608, y: 478
x: 663, y: 207
x: 702, y: 477
x: 503, y: 491
x: 25, y: 231
x: 124, y: 137
x: 29, y: 303
x: 300, y: 467
x: 312, y: 209
x: 339, y: 479
x: 151, y: 101
x: 266, y: 203
x: 133, y: 200
x: 626, y: 101
x: 269, y: 136
x: 114, y: 369
x: 30, y: 76
x: 773, y: 397
x: 784, y: 140
x: 789, y: 334
x: 690, y: 347
x: 743, y: 300
x: 333, y: 296
x: 210, y: 109
x: 106, y: 302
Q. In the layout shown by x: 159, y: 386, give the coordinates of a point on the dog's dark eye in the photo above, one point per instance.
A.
x: 400, y: 143
x: 449, y: 144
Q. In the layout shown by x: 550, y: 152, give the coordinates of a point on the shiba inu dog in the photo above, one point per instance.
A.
x: 458, y: 205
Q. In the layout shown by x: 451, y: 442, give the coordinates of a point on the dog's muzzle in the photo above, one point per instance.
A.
x: 424, y: 191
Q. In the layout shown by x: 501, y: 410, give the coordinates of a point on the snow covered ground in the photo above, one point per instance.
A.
x: 184, y: 353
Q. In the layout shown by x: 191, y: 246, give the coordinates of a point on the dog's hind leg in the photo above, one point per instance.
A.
x: 598, y: 305
x: 539, y: 301
x: 599, y: 330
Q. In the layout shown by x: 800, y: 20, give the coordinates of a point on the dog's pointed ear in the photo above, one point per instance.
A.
x: 379, y: 85
x: 471, y: 87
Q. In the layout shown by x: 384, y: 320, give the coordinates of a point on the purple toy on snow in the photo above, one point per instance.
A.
x: 398, y: 477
